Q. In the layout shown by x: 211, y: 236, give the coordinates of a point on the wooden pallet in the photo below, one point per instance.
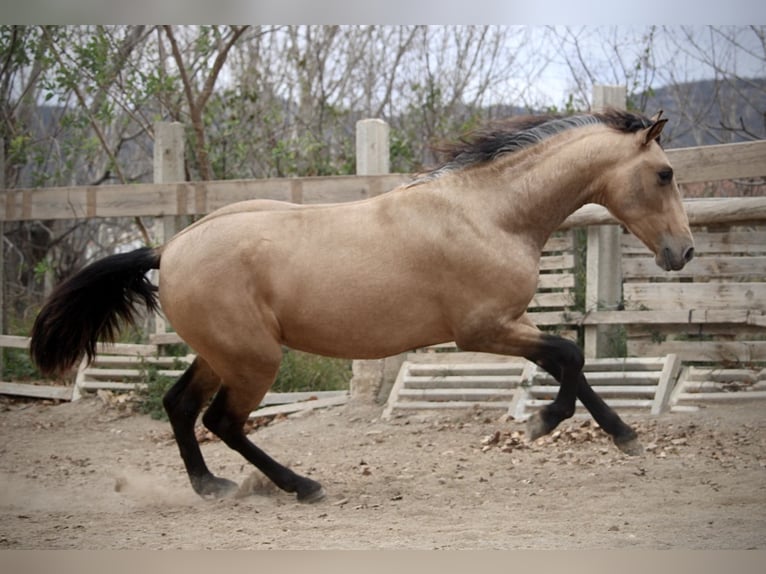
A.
x: 519, y: 387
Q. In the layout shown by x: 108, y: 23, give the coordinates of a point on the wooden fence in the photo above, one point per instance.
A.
x: 711, y: 292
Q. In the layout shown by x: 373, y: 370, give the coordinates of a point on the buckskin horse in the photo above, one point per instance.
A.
x: 451, y: 256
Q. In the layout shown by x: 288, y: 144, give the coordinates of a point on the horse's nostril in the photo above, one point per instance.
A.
x: 689, y: 254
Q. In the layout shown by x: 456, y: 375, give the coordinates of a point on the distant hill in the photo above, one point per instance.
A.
x: 702, y: 112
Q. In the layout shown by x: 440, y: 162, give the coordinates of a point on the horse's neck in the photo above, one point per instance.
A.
x: 538, y: 190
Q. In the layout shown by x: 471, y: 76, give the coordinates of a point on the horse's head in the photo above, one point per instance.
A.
x: 642, y: 193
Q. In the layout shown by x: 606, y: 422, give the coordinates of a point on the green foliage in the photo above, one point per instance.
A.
x: 580, y: 245
x: 305, y: 372
x: 18, y: 366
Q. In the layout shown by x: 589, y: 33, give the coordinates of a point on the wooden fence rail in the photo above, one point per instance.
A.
x: 198, y: 198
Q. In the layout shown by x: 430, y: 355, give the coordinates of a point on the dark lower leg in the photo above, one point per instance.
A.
x: 219, y: 418
x: 183, y: 403
x: 623, y: 435
x: 563, y: 360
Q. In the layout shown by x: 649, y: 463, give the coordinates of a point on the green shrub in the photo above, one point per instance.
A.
x: 305, y: 372
x: 18, y: 366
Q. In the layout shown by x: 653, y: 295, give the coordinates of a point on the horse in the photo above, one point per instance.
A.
x: 451, y: 255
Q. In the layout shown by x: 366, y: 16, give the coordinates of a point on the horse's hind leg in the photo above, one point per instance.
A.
x: 183, y: 402
x: 226, y: 417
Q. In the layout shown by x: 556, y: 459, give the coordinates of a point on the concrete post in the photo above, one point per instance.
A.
x: 372, y: 147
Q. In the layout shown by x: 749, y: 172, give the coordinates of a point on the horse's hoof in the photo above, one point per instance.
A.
x: 214, y: 487
x: 630, y: 446
x: 315, y: 495
x: 536, y: 427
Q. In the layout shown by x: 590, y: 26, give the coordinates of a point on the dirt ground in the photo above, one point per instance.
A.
x: 87, y: 476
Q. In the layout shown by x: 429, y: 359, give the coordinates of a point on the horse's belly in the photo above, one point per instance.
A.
x: 362, y: 328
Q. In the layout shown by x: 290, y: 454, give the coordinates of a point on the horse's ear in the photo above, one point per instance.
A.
x: 648, y: 135
x: 656, y: 117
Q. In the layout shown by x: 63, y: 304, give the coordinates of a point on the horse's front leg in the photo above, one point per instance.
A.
x: 564, y: 360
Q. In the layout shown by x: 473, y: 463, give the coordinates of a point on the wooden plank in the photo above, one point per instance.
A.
x: 458, y: 394
x: 110, y: 386
x: 556, y: 281
x: 677, y: 296
x: 612, y: 377
x: 562, y: 299
x: 396, y: 389
x: 717, y: 162
x: 425, y: 383
x: 14, y: 342
x: 461, y: 405
x: 747, y: 242
x: 683, y: 317
x: 668, y: 379
x: 718, y: 210
x: 604, y: 390
x: 427, y: 356
x: 704, y: 351
x: 125, y: 349
x: 727, y: 396
x: 725, y: 375
x: 131, y: 360
x: 612, y: 402
x: 703, y: 267
x: 36, y: 391
x: 555, y: 318
x: 179, y: 198
x: 274, y: 398
x: 508, y: 368
x: 559, y: 242
x: 565, y: 261
x: 302, y: 406
x: 165, y: 338
x: 714, y: 386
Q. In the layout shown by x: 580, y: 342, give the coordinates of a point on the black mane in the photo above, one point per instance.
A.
x: 513, y: 134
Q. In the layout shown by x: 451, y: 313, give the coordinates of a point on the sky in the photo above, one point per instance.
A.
x: 680, y: 53
x: 383, y: 11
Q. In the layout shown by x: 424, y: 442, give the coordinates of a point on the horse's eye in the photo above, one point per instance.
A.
x: 665, y: 176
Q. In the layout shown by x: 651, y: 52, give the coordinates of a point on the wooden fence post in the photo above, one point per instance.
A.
x: 168, y: 168
x: 603, y: 288
x: 372, y: 158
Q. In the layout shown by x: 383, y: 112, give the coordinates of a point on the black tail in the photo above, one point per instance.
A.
x: 89, y: 306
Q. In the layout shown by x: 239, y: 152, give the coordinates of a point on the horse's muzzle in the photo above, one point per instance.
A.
x: 671, y: 259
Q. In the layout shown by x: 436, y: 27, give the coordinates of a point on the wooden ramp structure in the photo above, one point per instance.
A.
x: 455, y: 380
x: 518, y: 387
x: 701, y: 385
